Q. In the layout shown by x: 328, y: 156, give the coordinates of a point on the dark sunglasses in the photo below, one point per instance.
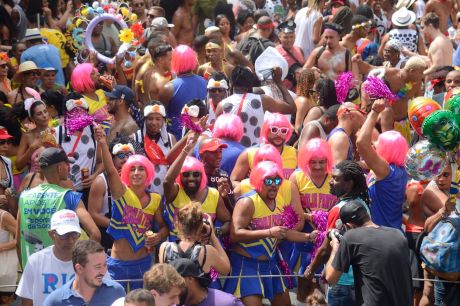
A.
x: 5, y: 141
x: 279, y: 130
x: 270, y: 181
x: 124, y: 155
x: 444, y: 174
x: 217, y: 89
x: 191, y: 173
x: 4, y: 66
x: 71, y: 235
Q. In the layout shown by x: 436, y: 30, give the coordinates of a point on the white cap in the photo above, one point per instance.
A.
x: 65, y: 221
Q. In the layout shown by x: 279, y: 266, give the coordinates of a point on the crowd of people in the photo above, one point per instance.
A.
x: 223, y: 152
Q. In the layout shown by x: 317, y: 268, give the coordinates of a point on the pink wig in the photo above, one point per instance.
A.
x: 275, y: 119
x: 192, y: 164
x: 261, y: 171
x: 184, y: 59
x: 315, y: 148
x: 392, y: 147
x: 267, y: 152
x: 135, y: 160
x: 228, y: 126
x: 81, y: 78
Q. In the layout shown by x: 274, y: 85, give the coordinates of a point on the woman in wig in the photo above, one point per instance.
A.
x: 276, y: 130
x: 259, y: 222
x: 387, y: 179
x: 135, y: 213
x: 85, y: 80
x: 311, y: 183
x: 229, y: 128
x: 34, y: 110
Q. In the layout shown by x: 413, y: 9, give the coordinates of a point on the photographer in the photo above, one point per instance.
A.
x: 378, y: 255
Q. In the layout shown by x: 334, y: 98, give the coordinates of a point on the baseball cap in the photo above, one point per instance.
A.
x: 121, y: 92
x: 187, y: 267
x: 4, y: 133
x: 353, y: 212
x: 65, y: 221
x: 160, y: 23
x: 348, y: 106
x: 212, y: 145
x: 52, y: 156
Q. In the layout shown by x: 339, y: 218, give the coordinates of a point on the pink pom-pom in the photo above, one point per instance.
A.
x: 377, y: 89
x: 111, y: 11
x: 342, y: 85
x: 289, y: 217
x: 213, y: 274
x: 76, y: 120
x: 187, y: 122
x: 284, y: 267
x: 319, y: 219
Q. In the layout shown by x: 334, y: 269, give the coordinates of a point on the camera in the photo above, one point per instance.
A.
x: 336, y: 233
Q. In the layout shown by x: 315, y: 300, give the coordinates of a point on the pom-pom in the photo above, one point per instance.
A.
x: 342, y: 85
x: 289, y: 217
x: 319, y: 219
x: 77, y: 120
x: 282, y: 264
x: 187, y: 122
x: 213, y: 274
x: 377, y: 89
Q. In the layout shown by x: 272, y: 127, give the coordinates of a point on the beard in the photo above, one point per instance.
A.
x: 191, y: 190
x: 337, y: 191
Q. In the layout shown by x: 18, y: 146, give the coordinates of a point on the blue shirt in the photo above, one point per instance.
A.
x: 230, y: 155
x: 387, y: 197
x: 186, y: 88
x: 45, y: 56
x: 105, y: 295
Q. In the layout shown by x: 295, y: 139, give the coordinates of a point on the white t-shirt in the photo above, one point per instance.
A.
x: 43, y: 274
x: 304, y: 30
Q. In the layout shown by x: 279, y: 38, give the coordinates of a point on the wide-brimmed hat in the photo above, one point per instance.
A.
x: 32, y: 34
x: 404, y: 3
x: 403, y: 17
x: 24, y: 67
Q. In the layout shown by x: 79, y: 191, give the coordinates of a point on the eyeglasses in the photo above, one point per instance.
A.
x: 4, y: 141
x: 270, y: 181
x: 217, y: 89
x: 191, y: 173
x: 279, y: 130
x: 71, y: 235
x: 123, y: 155
x: 32, y: 73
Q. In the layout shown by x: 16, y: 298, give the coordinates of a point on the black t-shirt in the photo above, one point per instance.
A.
x: 212, y: 182
x: 380, y: 261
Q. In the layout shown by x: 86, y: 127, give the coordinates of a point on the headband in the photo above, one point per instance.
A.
x: 154, y: 109
x: 192, y: 111
x: 266, y: 26
x: 211, y: 45
x: 330, y: 30
x: 122, y: 147
x: 361, y: 25
x: 217, y: 84
x: 72, y: 103
x: 28, y: 102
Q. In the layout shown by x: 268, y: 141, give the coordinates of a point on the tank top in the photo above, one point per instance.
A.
x: 407, y: 37
x: 170, y: 253
x: 106, y: 201
x: 314, y: 197
x: 186, y: 88
x: 209, y: 206
x: 130, y: 220
x: 322, y: 133
x: 263, y: 218
x: 350, y: 147
x: 288, y: 157
x: 252, y: 115
x: 165, y: 144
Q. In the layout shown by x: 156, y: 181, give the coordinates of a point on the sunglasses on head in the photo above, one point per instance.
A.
x: 4, y: 141
x: 124, y: 155
x: 270, y: 181
x: 71, y: 235
x: 191, y: 173
x: 279, y: 130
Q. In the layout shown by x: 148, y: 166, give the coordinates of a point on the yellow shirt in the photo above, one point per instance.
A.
x: 288, y: 157
x: 284, y: 193
x: 314, y: 197
x: 57, y: 39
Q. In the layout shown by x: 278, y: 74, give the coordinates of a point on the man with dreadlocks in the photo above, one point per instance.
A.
x: 347, y: 183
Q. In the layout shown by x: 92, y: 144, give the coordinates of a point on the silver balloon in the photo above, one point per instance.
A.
x: 424, y: 161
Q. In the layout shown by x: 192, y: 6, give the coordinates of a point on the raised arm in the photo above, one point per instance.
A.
x: 376, y: 163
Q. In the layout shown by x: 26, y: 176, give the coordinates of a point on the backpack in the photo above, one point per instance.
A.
x: 252, y: 47
x: 440, y: 249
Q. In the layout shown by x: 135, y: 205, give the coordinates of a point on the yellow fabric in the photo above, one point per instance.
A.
x: 288, y: 157
x: 13, y: 165
x: 314, y: 197
x: 94, y: 105
x: 403, y: 126
x: 284, y: 193
x: 57, y: 39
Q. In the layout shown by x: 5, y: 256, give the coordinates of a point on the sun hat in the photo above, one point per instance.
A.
x: 24, y: 67
x: 403, y: 17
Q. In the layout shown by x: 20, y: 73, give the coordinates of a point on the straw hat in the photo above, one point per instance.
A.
x: 403, y: 17
x: 24, y: 67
